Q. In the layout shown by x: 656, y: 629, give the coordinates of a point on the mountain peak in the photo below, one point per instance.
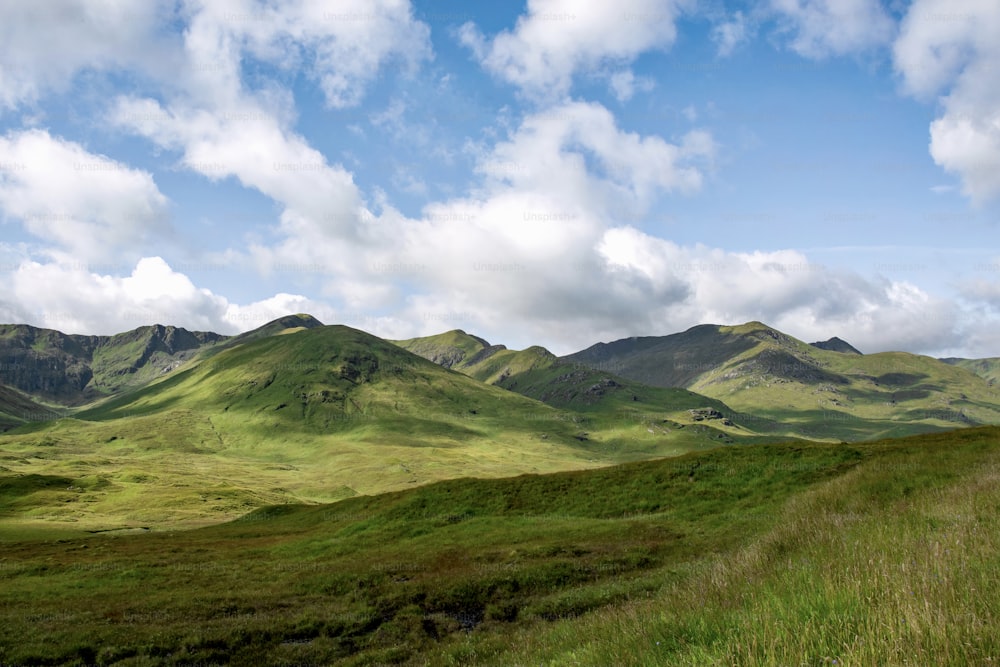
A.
x: 450, y: 349
x: 304, y: 320
x: 836, y: 345
x: 753, y: 326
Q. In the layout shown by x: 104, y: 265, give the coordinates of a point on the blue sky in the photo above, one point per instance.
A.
x: 546, y: 172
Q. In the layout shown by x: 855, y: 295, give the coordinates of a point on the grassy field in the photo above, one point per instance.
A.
x: 877, y: 553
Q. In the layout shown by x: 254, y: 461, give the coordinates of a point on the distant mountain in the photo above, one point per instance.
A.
x: 537, y: 373
x: 676, y: 360
x: 608, y: 400
x: 295, y: 411
x: 319, y: 413
x: 740, y: 381
x: 452, y: 349
x: 74, y: 369
x: 836, y: 345
x: 988, y: 369
x: 757, y: 369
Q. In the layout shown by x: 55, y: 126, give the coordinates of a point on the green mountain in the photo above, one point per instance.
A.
x: 602, y: 396
x: 282, y: 325
x: 72, y: 370
x: 676, y: 360
x: 988, y: 369
x: 204, y: 427
x: 824, y: 393
x: 879, y: 553
x: 836, y: 345
x: 452, y: 349
x: 315, y: 415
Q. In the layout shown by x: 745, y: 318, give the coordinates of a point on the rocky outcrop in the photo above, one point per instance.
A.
x: 72, y: 369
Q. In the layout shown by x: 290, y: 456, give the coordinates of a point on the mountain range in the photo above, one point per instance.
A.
x: 769, y: 381
x: 205, y: 425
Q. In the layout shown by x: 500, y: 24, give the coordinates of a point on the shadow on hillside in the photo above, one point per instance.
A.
x: 15, y: 487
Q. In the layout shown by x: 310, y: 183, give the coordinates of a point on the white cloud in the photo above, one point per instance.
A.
x: 517, y: 245
x: 985, y: 292
x: 549, y: 153
x: 970, y: 147
x: 940, y: 41
x: 731, y: 34
x: 981, y: 296
x: 625, y: 83
x: 73, y: 299
x: 223, y: 130
x: 90, y: 206
x: 555, y: 39
x: 220, y: 128
x: 251, y: 145
x: 539, y: 252
x: 43, y: 45
x: 782, y: 288
x: 341, y: 45
x: 823, y: 28
x: 953, y: 47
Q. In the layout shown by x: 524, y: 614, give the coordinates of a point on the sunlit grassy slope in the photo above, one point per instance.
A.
x: 988, y: 369
x: 315, y: 415
x: 882, y: 553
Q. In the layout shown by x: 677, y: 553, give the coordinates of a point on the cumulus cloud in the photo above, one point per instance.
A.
x: 545, y: 247
x: 983, y: 292
x: 91, y: 206
x: 823, y: 28
x: 782, y: 288
x: 251, y: 145
x: 555, y: 39
x: 951, y: 49
x: 223, y: 130
x: 537, y: 214
x: 342, y: 45
x: 542, y: 250
x: 73, y: 299
x: 549, y: 152
x: 43, y: 45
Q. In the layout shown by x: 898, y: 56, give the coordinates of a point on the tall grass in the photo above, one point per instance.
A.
x: 798, y: 554
x: 896, y: 562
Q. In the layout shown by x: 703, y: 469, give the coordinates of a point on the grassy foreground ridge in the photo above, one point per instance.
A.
x: 883, y: 552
